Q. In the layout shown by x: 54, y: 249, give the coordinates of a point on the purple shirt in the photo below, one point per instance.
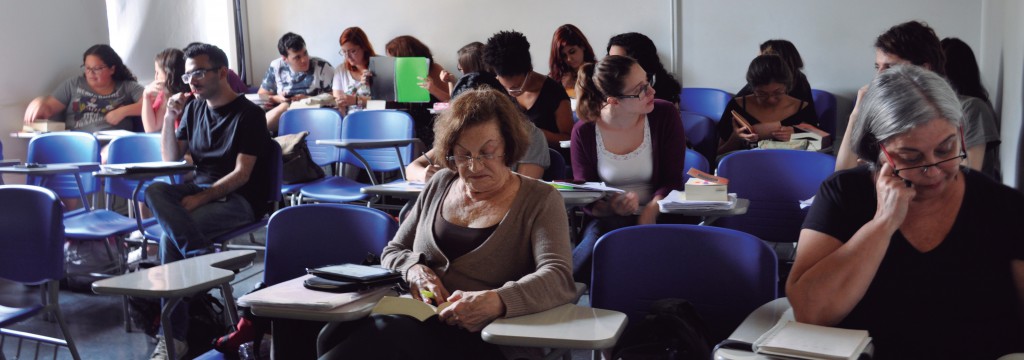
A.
x: 667, y: 140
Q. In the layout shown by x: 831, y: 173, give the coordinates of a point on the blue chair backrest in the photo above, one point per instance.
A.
x: 309, y: 236
x: 32, y: 240
x: 825, y: 106
x: 725, y: 274
x: 557, y: 169
x: 774, y: 181
x: 378, y: 124
x: 705, y: 101
x: 65, y: 147
x: 275, y: 172
x: 694, y: 160
x: 700, y: 133
x: 131, y: 149
x: 322, y: 124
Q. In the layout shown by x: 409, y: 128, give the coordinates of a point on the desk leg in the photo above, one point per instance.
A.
x: 81, y: 192
x: 229, y: 303
x: 708, y: 220
x: 165, y: 322
x: 138, y: 219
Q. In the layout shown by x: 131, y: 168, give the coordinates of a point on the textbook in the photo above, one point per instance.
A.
x: 819, y: 138
x: 805, y: 341
x: 390, y: 305
x: 398, y: 79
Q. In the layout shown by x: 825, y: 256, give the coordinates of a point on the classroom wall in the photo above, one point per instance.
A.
x: 1002, y: 63
x: 46, y: 39
x: 447, y: 25
x: 141, y: 29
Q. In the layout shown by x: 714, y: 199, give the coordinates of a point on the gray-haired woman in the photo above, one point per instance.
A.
x: 918, y: 250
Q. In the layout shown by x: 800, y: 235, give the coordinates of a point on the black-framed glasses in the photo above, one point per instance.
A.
x: 644, y: 89
x: 465, y: 160
x: 766, y: 96
x: 95, y: 70
x: 197, y: 74
x: 924, y: 168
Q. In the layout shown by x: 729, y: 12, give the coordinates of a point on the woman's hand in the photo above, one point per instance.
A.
x: 624, y: 204
x: 427, y: 83
x: 783, y: 133
x: 894, y: 195
x: 649, y: 214
x: 421, y: 278
x: 472, y: 310
x: 114, y: 117
x: 153, y: 89
x: 448, y: 77
x: 36, y: 110
x: 367, y: 76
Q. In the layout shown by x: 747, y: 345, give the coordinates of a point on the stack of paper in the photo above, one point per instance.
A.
x: 587, y: 186
x: 676, y: 200
x: 805, y: 341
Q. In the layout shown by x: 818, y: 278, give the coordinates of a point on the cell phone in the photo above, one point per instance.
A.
x: 30, y: 166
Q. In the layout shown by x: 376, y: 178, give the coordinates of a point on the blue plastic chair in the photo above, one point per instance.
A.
x: 705, y: 101
x: 132, y: 149
x: 694, y: 159
x: 724, y: 273
x: 555, y: 171
x: 373, y: 124
x: 775, y: 181
x: 65, y: 147
x: 32, y: 252
x: 322, y: 124
x: 701, y: 133
x: 825, y: 106
x: 274, y: 172
x: 307, y: 236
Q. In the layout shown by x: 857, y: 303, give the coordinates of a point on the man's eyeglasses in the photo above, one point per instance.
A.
x: 644, y: 89
x: 198, y: 74
x: 924, y: 168
x: 95, y: 70
x: 465, y: 160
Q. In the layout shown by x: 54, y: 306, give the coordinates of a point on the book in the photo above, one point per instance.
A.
x: 742, y: 122
x: 382, y: 87
x: 293, y: 294
x: 147, y: 167
x: 419, y: 310
x: 819, y: 138
x: 677, y: 200
x: 409, y: 73
x: 806, y: 341
x: 698, y: 189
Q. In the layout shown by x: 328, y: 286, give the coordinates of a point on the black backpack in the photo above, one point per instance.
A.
x: 671, y: 330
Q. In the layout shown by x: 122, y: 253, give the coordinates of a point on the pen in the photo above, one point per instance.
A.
x: 431, y: 162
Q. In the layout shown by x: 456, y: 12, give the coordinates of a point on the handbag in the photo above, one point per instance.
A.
x: 298, y: 162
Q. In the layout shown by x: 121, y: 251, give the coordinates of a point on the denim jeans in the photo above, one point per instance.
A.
x: 186, y: 231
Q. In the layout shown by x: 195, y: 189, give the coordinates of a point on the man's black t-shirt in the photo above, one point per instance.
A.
x: 956, y: 301
x: 215, y: 137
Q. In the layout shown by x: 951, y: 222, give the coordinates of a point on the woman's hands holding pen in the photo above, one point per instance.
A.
x: 425, y: 286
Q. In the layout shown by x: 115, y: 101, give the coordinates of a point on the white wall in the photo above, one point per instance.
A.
x: 141, y: 29
x: 1002, y: 64
x: 46, y: 39
x: 447, y: 25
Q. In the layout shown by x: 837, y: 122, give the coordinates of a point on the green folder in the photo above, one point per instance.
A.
x: 409, y: 73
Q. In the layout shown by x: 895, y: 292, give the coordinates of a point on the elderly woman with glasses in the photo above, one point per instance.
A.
x: 627, y: 139
x: 99, y: 99
x: 489, y: 241
x: 920, y: 251
x: 769, y: 110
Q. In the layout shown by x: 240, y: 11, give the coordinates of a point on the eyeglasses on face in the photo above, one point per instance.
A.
x: 95, y: 70
x: 349, y: 53
x: 645, y: 88
x: 197, y: 74
x: 766, y: 95
x: 465, y: 160
x: 923, y: 169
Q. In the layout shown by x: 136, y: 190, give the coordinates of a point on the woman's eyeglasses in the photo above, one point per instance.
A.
x: 644, y: 89
x: 926, y: 167
x: 95, y: 70
x: 465, y: 160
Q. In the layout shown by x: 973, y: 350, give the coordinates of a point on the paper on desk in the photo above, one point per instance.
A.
x: 292, y: 295
x: 806, y: 203
x: 587, y: 186
x: 676, y: 200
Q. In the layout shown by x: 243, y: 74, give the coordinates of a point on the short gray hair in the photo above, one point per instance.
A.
x: 898, y: 100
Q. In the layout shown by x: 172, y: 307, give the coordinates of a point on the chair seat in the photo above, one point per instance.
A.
x: 100, y: 224
x: 336, y: 189
x: 10, y: 316
x: 288, y: 189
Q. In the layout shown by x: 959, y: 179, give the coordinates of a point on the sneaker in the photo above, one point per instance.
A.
x: 160, y: 353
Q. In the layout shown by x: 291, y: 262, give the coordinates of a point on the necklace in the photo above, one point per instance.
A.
x: 515, y: 92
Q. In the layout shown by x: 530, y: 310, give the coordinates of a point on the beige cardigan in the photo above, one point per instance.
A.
x: 527, y: 259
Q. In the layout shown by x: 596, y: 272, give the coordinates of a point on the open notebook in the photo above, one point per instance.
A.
x: 805, y: 341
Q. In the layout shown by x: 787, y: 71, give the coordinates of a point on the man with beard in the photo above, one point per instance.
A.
x: 226, y: 136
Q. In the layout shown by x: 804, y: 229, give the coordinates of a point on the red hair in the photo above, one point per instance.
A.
x: 567, y: 35
x: 357, y: 37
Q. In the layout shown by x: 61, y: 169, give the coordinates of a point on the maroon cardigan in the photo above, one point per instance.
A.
x: 668, y: 143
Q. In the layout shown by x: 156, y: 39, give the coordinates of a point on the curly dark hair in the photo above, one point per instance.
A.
x: 172, y: 61
x: 111, y: 59
x: 508, y: 53
x: 915, y: 42
x: 640, y: 47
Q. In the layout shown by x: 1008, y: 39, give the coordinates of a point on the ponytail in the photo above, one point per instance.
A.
x: 597, y: 82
